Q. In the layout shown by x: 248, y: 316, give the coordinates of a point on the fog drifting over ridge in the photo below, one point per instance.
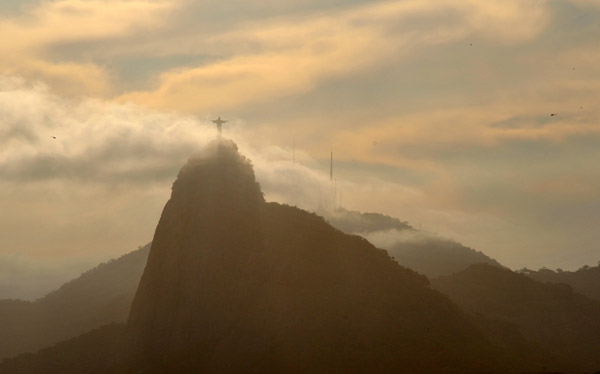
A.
x: 97, y: 190
x: 85, y: 180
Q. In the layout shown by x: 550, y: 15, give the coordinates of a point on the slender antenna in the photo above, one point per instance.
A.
x: 335, y: 193
x: 331, y: 167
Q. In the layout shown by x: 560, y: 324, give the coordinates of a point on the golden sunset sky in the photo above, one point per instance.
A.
x: 438, y: 113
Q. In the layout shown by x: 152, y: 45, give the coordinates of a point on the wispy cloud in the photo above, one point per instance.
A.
x: 438, y: 112
x: 28, y: 38
x: 294, y: 55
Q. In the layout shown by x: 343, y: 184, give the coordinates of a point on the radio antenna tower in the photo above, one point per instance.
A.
x: 331, y: 167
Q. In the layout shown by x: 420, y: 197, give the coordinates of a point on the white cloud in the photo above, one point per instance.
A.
x: 461, y: 135
x: 276, y: 58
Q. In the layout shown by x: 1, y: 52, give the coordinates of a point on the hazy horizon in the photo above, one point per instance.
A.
x: 438, y: 113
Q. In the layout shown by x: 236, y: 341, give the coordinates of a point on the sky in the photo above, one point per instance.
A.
x: 438, y: 113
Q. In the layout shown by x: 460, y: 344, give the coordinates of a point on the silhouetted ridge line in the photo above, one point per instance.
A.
x: 422, y: 251
x: 585, y: 280
x: 235, y: 284
x: 99, y: 296
x: 552, y: 316
x: 355, y: 222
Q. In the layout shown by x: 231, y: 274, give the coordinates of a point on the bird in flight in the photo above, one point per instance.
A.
x: 54, y: 137
x: 553, y: 114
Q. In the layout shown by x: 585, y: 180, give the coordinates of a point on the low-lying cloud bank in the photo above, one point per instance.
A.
x: 84, y: 178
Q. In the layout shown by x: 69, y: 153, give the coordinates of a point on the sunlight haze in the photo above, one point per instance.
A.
x: 475, y: 120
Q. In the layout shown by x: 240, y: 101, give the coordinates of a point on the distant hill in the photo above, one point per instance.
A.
x: 586, y: 280
x: 436, y: 256
x: 355, y: 222
x: 422, y: 251
x: 235, y: 284
x: 99, y: 296
x: 83, y: 354
x: 552, y: 316
x: 104, y: 294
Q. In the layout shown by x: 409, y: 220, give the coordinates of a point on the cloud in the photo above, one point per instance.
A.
x: 64, y: 21
x: 390, y: 238
x: 53, y: 23
x: 55, y: 149
x: 97, y: 190
x: 243, y: 80
x: 424, y: 126
x: 83, y: 178
x: 587, y: 3
x: 49, y: 137
x: 97, y: 145
x: 291, y: 56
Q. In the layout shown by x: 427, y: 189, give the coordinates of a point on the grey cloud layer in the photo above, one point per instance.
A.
x: 97, y: 190
x: 426, y: 126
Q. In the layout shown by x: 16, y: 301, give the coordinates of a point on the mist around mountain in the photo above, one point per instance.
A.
x: 585, y: 281
x: 425, y: 252
x: 355, y: 222
x: 236, y: 284
x: 104, y: 294
x: 557, y: 323
x: 99, y: 296
x: 233, y: 283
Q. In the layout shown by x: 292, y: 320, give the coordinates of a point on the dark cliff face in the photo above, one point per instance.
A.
x: 552, y: 316
x: 235, y: 284
x: 586, y: 280
x: 422, y: 251
x: 99, y: 296
x: 205, y: 241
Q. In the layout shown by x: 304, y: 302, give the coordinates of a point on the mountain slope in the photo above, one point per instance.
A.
x: 84, y: 354
x: 355, y: 222
x: 436, y: 256
x: 552, y: 316
x: 236, y: 284
x: 99, y: 296
x: 422, y: 251
x: 586, y: 280
x: 104, y: 294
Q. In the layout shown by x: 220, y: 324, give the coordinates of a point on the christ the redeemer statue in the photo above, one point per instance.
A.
x: 219, y: 123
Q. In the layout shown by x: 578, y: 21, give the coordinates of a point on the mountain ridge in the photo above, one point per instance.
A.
x: 425, y: 252
x: 99, y: 296
x: 284, y: 292
x: 234, y: 283
x: 585, y: 280
x: 552, y: 316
